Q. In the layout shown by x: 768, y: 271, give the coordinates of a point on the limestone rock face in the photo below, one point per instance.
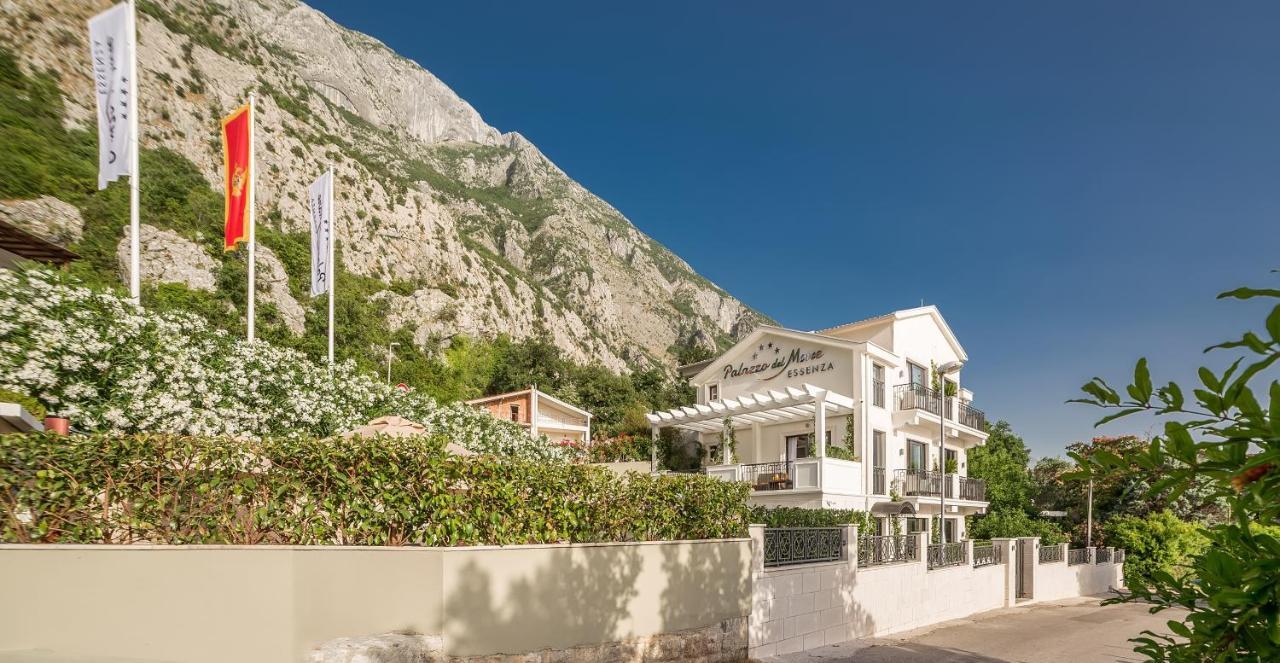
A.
x: 168, y: 257
x: 488, y: 233
x: 272, y: 285
x: 45, y: 216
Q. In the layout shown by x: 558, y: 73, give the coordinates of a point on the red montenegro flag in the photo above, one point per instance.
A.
x: 235, y: 149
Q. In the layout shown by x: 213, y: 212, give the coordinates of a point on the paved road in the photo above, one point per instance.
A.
x: 1079, y: 631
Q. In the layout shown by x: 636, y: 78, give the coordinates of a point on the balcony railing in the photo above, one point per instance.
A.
x: 1119, y: 557
x: 787, y: 546
x: 878, y: 486
x: 919, y: 397
x: 924, y: 483
x: 769, y: 476
x: 972, y: 489
x: 876, y: 550
x: 1102, y: 556
x: 984, y: 555
x: 1078, y: 556
x: 1050, y: 554
x: 942, y: 555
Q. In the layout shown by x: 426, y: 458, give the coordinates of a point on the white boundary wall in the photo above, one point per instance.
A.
x: 802, y: 607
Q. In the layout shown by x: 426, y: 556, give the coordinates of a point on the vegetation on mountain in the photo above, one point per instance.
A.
x: 1224, y: 435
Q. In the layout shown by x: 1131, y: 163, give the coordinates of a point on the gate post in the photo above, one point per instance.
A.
x: 1007, y: 549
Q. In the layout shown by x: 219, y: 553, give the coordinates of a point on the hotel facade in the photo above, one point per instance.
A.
x: 874, y: 387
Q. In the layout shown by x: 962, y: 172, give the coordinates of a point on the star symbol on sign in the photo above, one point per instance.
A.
x: 776, y: 351
x: 771, y: 344
x: 761, y: 347
x: 753, y: 355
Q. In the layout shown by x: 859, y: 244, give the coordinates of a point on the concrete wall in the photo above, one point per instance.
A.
x: 279, y: 603
x: 797, y: 608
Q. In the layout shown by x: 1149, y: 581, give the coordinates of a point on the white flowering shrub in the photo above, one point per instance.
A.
x: 110, y: 366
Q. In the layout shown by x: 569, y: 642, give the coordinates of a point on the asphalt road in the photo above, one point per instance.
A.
x: 1079, y: 631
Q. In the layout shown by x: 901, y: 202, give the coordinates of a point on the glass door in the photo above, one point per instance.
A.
x: 917, y: 455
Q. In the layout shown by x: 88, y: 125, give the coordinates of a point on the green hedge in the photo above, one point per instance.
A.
x: 786, y: 516
x: 378, y: 491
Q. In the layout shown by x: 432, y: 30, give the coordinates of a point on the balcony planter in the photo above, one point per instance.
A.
x: 58, y: 425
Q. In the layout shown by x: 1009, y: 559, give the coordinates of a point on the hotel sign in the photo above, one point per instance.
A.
x: 769, y: 360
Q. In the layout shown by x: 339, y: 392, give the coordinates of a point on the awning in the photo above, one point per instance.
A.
x: 893, y: 509
x: 766, y: 407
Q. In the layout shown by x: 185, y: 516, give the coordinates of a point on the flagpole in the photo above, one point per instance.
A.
x: 135, y: 230
x: 333, y: 269
x: 253, y: 178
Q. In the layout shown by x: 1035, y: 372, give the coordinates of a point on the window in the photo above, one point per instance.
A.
x: 877, y: 385
x: 953, y: 462
x: 917, y: 455
x: 713, y: 392
x: 916, y: 525
x: 515, y: 413
x: 919, y: 376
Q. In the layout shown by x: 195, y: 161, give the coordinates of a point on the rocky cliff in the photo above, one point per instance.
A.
x: 480, y: 232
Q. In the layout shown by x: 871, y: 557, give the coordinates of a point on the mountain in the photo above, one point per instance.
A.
x: 461, y: 228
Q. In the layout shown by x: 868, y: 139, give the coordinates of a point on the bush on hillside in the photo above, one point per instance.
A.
x: 1159, y: 542
x: 379, y: 491
x: 113, y: 367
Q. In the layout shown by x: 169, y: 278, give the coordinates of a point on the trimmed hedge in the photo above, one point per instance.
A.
x: 790, y: 516
x: 156, y: 488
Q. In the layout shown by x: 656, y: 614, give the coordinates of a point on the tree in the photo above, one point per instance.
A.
x: 1002, y: 463
x: 1157, y: 542
x: 1229, y: 440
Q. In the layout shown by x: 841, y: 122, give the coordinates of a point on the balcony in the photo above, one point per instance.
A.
x: 919, y: 397
x: 923, y: 483
x: 803, y: 474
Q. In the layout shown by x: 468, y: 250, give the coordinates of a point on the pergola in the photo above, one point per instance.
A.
x: 764, y: 408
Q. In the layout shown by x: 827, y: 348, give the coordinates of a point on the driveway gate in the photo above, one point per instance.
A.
x: 1026, y: 565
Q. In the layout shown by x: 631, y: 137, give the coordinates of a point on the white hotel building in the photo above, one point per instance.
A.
x: 775, y: 387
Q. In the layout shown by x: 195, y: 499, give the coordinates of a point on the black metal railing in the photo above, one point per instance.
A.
x: 1050, y: 553
x: 984, y: 555
x: 973, y: 489
x: 1119, y: 558
x: 972, y: 417
x: 877, y: 393
x: 919, y: 397
x: 769, y: 476
x: 920, y: 483
x: 1102, y: 556
x: 787, y: 546
x: 891, y: 549
x: 942, y: 555
x: 878, y: 486
x: 1077, y: 556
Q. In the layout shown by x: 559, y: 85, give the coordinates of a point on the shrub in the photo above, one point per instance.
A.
x: 618, y: 449
x: 790, y: 516
x: 1005, y: 523
x: 1157, y: 542
x: 155, y: 488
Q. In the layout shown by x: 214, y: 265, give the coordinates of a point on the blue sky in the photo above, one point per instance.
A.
x: 1071, y: 185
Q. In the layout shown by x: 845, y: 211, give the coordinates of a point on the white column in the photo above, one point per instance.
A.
x: 755, y: 441
x: 820, y: 422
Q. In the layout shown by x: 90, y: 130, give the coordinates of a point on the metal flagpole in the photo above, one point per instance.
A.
x: 253, y: 178
x: 135, y: 242
x: 333, y: 269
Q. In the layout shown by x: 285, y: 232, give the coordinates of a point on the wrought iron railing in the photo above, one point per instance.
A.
x: 972, y: 417
x: 919, y: 397
x: 1077, y: 556
x: 1050, y: 553
x: 984, y: 555
x: 878, y: 486
x: 788, y: 546
x: 922, y: 483
x: 942, y: 555
x: 769, y: 476
x: 1119, y: 558
x: 877, y: 393
x: 891, y: 549
x: 1102, y: 556
x: 972, y: 489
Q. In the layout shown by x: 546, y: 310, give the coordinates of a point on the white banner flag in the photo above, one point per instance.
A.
x: 111, y: 46
x: 320, y: 198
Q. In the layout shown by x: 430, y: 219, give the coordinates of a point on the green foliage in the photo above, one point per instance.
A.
x: 1225, y: 437
x: 1159, y: 542
x: 28, y: 403
x: 619, y: 449
x: 1002, y: 463
x: 786, y: 516
x: 378, y: 491
x: 1007, y: 523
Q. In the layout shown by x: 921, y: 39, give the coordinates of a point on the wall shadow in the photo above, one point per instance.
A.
x: 709, y: 584
x: 573, y: 596
x: 907, y: 652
